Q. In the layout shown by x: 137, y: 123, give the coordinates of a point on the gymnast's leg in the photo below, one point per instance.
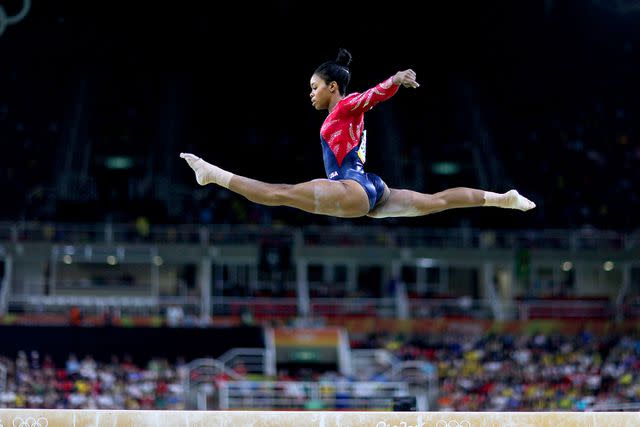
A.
x: 407, y: 203
x: 345, y: 199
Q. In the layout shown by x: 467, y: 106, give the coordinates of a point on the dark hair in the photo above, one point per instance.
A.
x: 337, y: 70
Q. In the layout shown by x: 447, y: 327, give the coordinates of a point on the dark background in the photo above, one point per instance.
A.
x: 541, y: 96
x: 141, y: 344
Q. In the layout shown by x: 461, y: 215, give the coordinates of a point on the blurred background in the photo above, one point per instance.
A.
x: 124, y: 284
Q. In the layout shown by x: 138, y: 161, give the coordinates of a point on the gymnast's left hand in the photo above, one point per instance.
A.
x: 406, y: 78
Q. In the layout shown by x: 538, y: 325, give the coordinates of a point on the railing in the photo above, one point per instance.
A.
x: 258, y: 307
x: 206, y: 369
x: 367, y: 363
x: 336, y: 394
x: 99, y: 304
x: 202, y: 375
x: 609, y: 407
x: 334, y: 307
x: 128, y: 233
x: 287, y: 308
x: 564, y: 309
x: 319, y: 236
x: 98, y: 287
x: 253, y: 360
x: 462, y: 307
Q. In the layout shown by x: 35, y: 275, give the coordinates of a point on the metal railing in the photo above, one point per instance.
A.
x: 318, y: 236
x: 564, y: 309
x: 237, y: 306
x: 607, y: 407
x: 141, y: 305
x: 450, y: 307
x: 295, y: 395
x: 253, y: 360
x: 286, y: 308
x: 332, y: 307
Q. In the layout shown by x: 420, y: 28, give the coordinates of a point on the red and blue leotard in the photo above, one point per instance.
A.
x: 344, y: 142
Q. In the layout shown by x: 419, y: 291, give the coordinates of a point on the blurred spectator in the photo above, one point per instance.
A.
x: 75, y: 316
x: 175, y: 316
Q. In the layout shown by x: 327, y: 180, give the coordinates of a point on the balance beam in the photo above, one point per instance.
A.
x: 131, y: 418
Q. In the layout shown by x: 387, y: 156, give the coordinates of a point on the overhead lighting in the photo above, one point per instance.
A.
x: 119, y: 162
x: 425, y: 262
x: 445, y: 168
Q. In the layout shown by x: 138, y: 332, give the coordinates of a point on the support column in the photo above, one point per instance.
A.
x: 489, y: 290
x: 400, y: 292
x: 352, y: 277
x: 421, y: 281
x: 626, y: 284
x: 155, y: 274
x: 5, y: 290
x: 53, y: 270
x: 302, y: 287
x: 204, y: 284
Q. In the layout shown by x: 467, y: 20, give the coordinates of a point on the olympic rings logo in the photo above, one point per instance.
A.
x: 30, y: 422
x: 401, y: 424
x: 453, y: 423
x: 10, y: 20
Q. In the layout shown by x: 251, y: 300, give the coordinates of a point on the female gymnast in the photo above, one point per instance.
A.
x: 348, y: 191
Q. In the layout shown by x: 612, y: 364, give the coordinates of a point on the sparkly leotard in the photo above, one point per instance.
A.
x: 344, y: 142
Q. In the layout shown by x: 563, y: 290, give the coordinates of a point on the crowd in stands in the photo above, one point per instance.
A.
x: 490, y: 372
x: 504, y: 372
x: 33, y: 381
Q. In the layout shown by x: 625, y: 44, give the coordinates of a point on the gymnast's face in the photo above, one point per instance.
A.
x: 321, y: 92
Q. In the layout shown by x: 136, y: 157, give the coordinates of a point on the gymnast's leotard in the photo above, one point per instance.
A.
x: 344, y: 142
